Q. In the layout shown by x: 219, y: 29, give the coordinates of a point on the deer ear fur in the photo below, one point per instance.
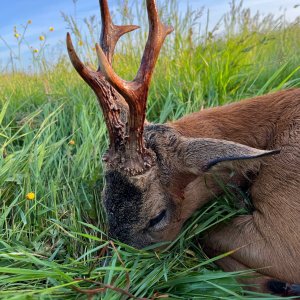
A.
x: 199, y: 155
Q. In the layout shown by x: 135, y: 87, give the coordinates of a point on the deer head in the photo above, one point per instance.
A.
x: 148, y: 167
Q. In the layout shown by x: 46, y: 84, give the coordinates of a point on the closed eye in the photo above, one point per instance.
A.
x: 157, y: 219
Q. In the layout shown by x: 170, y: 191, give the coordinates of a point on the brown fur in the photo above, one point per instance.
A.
x: 225, y: 142
x: 269, y: 239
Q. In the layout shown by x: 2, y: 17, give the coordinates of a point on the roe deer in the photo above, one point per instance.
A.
x: 158, y: 175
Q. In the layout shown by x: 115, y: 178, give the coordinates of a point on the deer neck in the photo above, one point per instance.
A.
x: 251, y: 122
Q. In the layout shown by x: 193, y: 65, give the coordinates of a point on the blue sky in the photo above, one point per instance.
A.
x: 45, y: 13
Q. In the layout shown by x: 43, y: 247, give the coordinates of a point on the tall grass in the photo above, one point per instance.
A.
x: 52, y: 137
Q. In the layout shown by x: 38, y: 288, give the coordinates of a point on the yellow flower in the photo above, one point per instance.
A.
x: 35, y: 50
x: 42, y: 38
x: 30, y: 196
x: 94, y: 49
x: 80, y: 43
x: 72, y: 142
x: 17, y: 35
x: 29, y: 22
x: 51, y: 28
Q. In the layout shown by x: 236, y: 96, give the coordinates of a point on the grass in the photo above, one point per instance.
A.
x: 52, y: 137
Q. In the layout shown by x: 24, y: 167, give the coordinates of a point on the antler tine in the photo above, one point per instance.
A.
x: 157, y: 34
x: 135, y: 92
x: 109, y: 37
x: 111, y: 33
x: 82, y: 70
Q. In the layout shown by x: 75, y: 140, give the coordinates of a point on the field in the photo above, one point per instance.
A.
x: 53, y: 242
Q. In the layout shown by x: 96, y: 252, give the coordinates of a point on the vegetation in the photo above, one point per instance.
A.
x: 53, y: 242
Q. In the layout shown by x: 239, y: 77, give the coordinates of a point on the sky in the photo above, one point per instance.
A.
x: 45, y: 14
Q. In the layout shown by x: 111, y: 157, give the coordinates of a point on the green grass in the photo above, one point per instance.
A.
x: 56, y: 247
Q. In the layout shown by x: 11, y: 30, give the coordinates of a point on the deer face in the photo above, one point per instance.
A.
x: 143, y: 210
x: 146, y: 209
x: 140, y: 210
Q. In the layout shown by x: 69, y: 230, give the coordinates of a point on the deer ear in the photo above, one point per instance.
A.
x: 199, y: 155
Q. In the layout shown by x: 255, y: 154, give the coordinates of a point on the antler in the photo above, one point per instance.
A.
x: 134, y: 158
x: 111, y: 33
x: 135, y: 92
x: 111, y: 102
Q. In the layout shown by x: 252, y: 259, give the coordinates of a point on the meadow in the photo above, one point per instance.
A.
x: 53, y: 242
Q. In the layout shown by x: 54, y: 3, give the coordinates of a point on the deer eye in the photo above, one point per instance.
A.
x: 157, y: 219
